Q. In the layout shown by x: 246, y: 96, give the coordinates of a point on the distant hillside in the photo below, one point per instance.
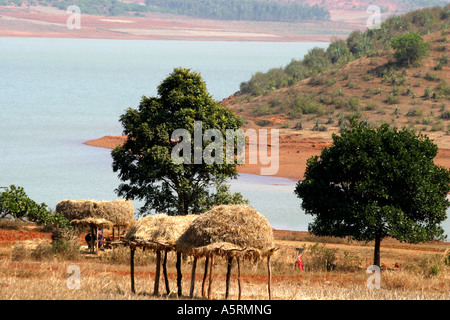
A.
x: 385, y: 5
x: 358, y: 78
x: 248, y: 10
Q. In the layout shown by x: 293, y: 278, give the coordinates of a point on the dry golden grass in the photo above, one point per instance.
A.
x: 423, y: 274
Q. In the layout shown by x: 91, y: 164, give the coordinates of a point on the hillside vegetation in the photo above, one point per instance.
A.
x: 358, y: 78
x: 250, y: 10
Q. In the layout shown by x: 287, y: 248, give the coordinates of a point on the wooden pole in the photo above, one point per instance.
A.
x: 230, y: 264
x: 194, y: 266
x: 157, y: 273
x: 132, y: 269
x: 239, y: 277
x: 269, y: 277
x: 166, y: 280
x: 205, y: 275
x: 179, y: 274
x: 92, y: 239
x: 96, y: 238
x: 211, y: 267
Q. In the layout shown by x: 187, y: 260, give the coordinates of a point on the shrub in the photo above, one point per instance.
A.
x: 306, y: 105
x: 353, y: 103
x: 319, y: 257
x: 299, y: 125
x: 445, y: 115
x: 392, y: 99
x: 14, y: 201
x: 410, y: 47
x: 414, y: 112
x: 438, y: 126
x: 430, y: 76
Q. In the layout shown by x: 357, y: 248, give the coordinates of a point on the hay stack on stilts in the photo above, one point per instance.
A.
x: 159, y: 233
x: 230, y: 231
x: 97, y: 214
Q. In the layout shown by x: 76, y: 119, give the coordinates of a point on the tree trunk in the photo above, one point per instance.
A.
x: 179, y: 275
x: 376, y: 255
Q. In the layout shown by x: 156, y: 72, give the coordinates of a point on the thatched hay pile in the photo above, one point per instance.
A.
x: 229, y: 230
x: 118, y: 212
x: 158, y: 231
x: 91, y: 222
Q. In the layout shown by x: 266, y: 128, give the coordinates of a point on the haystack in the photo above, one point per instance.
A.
x: 160, y: 233
x: 229, y: 230
x: 97, y: 215
x: 119, y: 212
x: 92, y: 222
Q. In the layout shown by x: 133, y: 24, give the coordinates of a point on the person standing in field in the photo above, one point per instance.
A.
x: 299, y: 262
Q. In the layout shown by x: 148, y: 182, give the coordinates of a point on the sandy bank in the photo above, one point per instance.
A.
x: 294, y: 151
x: 38, y: 21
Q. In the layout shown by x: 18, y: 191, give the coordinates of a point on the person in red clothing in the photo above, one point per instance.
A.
x: 299, y: 262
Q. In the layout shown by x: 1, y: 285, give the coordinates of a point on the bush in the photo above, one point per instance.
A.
x: 353, y: 103
x: 438, y: 126
x: 445, y: 115
x: 392, y: 99
x: 319, y: 257
x: 410, y: 47
x: 414, y: 112
x: 14, y: 201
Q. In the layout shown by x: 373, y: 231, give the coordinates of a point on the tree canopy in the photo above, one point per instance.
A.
x: 145, y: 163
x: 15, y: 202
x: 376, y: 182
x: 410, y: 47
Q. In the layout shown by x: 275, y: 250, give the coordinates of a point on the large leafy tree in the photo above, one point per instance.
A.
x: 376, y: 182
x: 145, y: 163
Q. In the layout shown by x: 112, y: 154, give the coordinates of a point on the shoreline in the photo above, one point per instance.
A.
x: 293, y: 154
x: 48, y: 22
x: 294, y: 151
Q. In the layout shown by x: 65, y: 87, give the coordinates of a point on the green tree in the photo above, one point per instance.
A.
x: 373, y: 183
x: 145, y: 163
x: 410, y: 47
x: 14, y: 201
x: 338, y: 51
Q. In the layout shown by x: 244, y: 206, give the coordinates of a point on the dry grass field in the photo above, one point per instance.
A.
x: 34, y: 268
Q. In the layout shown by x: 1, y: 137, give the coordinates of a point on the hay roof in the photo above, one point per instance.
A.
x: 96, y: 222
x: 229, y: 230
x: 158, y: 231
x: 119, y: 212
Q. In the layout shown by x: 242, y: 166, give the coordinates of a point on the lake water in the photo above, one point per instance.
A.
x: 56, y: 94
